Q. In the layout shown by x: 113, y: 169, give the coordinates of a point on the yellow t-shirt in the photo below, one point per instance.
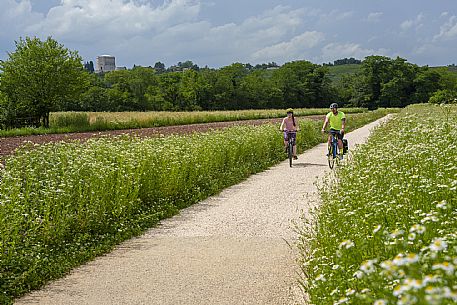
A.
x: 336, y: 121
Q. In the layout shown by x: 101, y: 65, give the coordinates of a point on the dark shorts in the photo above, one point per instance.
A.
x: 293, y: 135
x: 338, y: 134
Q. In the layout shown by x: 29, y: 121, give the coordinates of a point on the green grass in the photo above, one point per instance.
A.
x: 386, y: 230
x: 335, y: 72
x: 62, y: 204
x: 64, y: 122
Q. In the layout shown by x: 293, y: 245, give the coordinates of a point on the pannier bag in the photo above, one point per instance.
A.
x: 345, y: 146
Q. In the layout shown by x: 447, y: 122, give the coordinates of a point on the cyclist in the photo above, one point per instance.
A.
x: 337, y: 120
x: 289, y: 124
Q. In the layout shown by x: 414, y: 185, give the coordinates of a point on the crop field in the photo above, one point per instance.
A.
x: 62, y: 204
x: 386, y: 232
x: 124, y: 120
x: 64, y: 122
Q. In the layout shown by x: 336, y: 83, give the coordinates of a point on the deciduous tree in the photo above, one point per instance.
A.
x: 40, y: 76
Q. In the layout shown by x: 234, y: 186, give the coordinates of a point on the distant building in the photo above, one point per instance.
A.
x: 105, y: 63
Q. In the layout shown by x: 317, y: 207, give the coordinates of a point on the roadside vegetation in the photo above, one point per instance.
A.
x: 386, y: 230
x: 62, y: 204
x: 65, y: 122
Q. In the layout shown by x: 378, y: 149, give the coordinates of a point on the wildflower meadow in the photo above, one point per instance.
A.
x: 386, y: 232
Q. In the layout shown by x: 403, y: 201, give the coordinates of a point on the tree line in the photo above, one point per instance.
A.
x: 43, y: 76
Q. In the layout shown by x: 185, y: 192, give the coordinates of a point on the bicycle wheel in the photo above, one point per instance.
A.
x: 337, y: 154
x: 290, y: 152
x: 331, y: 160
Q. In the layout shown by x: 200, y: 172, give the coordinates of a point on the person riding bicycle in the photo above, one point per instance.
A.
x: 337, y: 120
x: 289, y: 124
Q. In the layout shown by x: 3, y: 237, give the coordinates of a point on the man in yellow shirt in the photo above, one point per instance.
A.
x: 337, y: 120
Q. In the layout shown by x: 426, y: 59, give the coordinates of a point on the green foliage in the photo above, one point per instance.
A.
x: 302, y: 84
x: 444, y: 97
x: 338, y: 71
x: 386, y: 82
x: 40, y: 77
x: 386, y: 230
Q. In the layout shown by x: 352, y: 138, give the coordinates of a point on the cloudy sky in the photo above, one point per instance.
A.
x: 220, y: 32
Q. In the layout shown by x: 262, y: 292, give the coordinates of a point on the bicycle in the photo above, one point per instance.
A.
x: 290, y: 145
x: 333, y: 154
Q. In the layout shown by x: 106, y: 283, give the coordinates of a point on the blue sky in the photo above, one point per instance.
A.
x: 220, y: 32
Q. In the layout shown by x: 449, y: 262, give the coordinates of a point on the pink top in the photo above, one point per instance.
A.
x: 288, y: 124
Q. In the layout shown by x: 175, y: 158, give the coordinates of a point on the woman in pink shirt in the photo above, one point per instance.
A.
x: 289, y: 124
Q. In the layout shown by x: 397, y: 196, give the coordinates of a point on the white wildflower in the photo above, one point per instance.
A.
x: 396, y: 233
x: 442, y: 205
x: 438, y: 244
x: 346, y: 244
x: 376, y: 229
x: 341, y: 301
x: 358, y: 274
x: 321, y: 277
x: 445, y: 266
x: 419, y: 229
x: 368, y: 266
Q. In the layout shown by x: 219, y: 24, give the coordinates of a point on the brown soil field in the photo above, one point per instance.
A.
x: 9, y: 144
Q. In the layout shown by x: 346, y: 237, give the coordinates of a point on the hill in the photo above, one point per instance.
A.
x: 337, y: 71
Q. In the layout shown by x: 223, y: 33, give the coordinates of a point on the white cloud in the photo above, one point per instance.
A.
x: 138, y: 32
x: 14, y: 16
x: 374, y: 17
x: 293, y: 49
x: 448, y: 31
x: 212, y: 44
x: 144, y: 31
x: 86, y: 20
x: 414, y: 23
x: 335, y: 15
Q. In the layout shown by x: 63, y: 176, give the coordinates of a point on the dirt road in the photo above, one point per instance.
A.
x: 229, y: 249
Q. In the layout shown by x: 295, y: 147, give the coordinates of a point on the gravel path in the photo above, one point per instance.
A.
x: 233, y: 248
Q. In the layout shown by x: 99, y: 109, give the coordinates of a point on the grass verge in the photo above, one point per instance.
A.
x: 386, y: 230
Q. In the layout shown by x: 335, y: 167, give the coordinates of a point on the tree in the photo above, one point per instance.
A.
x: 89, y: 66
x: 302, y: 83
x: 40, y: 76
x: 159, y: 67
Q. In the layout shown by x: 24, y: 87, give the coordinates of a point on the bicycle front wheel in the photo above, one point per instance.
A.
x: 331, y: 159
x: 290, y: 152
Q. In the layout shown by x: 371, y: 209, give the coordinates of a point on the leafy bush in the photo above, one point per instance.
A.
x: 444, y: 97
